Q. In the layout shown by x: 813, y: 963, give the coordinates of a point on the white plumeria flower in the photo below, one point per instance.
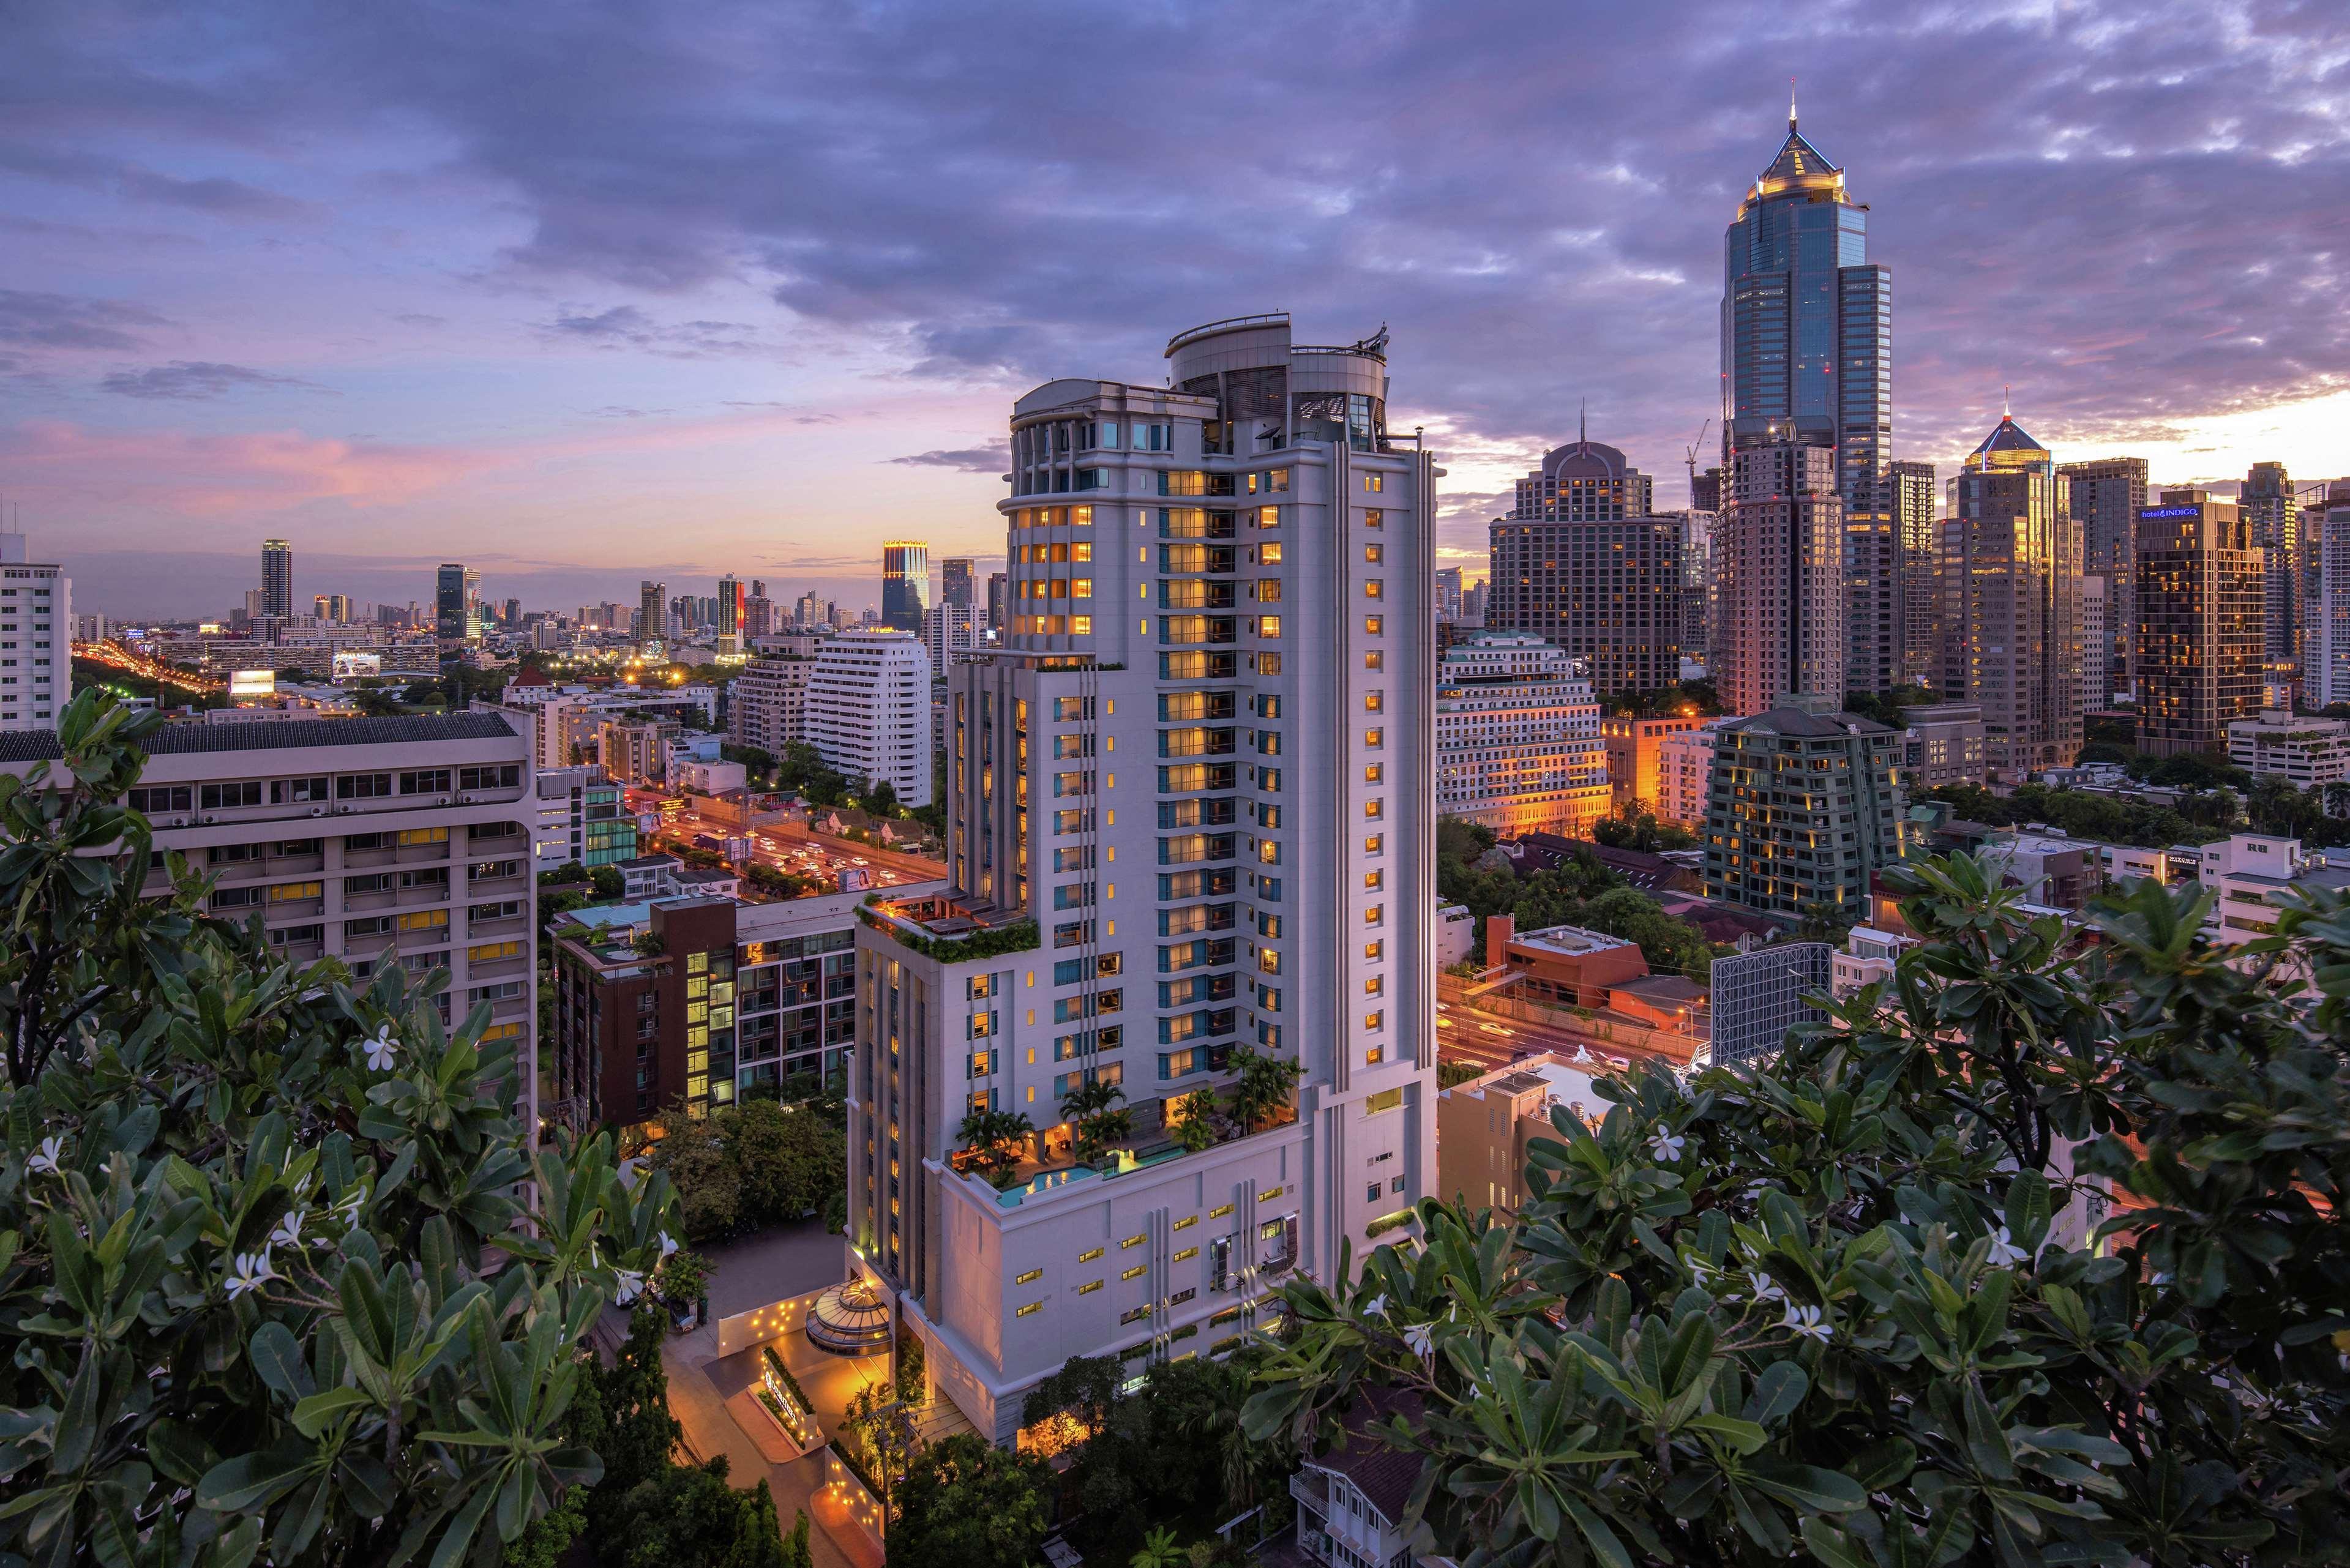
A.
x: 1666, y: 1144
x: 1420, y: 1340
x: 381, y: 1049
x: 248, y: 1272
x: 289, y: 1230
x: 45, y: 1162
x: 1807, y: 1322
x: 668, y: 1244
x: 1766, y: 1289
x: 2004, y: 1253
x: 1376, y: 1307
x: 632, y: 1285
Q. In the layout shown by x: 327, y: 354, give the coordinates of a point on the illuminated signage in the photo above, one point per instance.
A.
x: 252, y: 683
x: 2171, y: 512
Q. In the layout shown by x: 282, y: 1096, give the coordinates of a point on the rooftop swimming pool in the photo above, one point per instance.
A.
x: 1043, y: 1181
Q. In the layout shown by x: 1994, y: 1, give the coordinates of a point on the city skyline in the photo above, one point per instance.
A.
x: 600, y: 377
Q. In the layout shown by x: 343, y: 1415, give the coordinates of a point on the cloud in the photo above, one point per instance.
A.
x: 194, y: 378
x: 215, y: 194
x: 208, y: 476
x: 625, y: 325
x: 62, y: 321
x: 963, y: 460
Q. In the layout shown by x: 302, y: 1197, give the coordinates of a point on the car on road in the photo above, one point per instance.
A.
x: 1493, y: 1028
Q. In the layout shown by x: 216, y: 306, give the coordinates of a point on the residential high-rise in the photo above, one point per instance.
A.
x: 2202, y: 621
x: 1636, y: 756
x: 1518, y: 744
x: 1913, y: 501
x: 998, y: 586
x: 2096, y: 644
x: 1173, y: 829
x: 2326, y: 552
x: 905, y: 584
x: 1805, y: 807
x: 957, y: 584
x: 1806, y: 327
x: 2010, y: 567
x: 1779, y: 566
x: 868, y: 711
x: 950, y: 630
x: 1698, y: 528
x: 2272, y: 511
x: 1447, y: 593
x: 1685, y: 774
x: 457, y: 604
x: 1705, y: 489
x: 277, y: 578
x: 729, y: 619
x: 36, y: 620
x: 766, y: 704
x: 375, y: 841
x: 1582, y: 562
x: 2103, y: 498
x: 652, y: 610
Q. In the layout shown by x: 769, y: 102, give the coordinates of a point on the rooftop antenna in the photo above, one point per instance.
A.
x: 1583, y: 424
x: 1791, y: 106
x: 2003, y: 415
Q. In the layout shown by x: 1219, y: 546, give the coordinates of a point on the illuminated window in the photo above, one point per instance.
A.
x: 1374, y: 553
x: 1088, y: 1255
x: 1220, y: 1211
x: 410, y: 838
x: 1135, y: 1272
x: 1375, y: 659
x: 1089, y: 1287
x: 1374, y: 914
x: 425, y: 920
x: 697, y: 963
x: 1187, y: 1255
x: 1375, y: 588
x: 1375, y: 625
x: 1375, y: 986
x: 1374, y: 702
x: 1373, y: 772
x: 1188, y: 1221
x: 1269, y: 555
x: 1372, y: 882
x: 489, y: 952
x: 1028, y: 1307
x: 1375, y: 482
x: 1032, y: 1275
x: 287, y: 892
x: 1375, y: 951
x: 1133, y: 1242
x: 1375, y: 843
x: 1375, y: 1020
x: 1375, y: 808
x: 1375, y: 737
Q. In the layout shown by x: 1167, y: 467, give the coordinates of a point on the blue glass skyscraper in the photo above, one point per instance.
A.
x: 1806, y: 359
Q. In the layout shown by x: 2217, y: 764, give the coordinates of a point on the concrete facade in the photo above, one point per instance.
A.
x: 1518, y: 743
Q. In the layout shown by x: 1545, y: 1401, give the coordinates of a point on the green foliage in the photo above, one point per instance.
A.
x: 607, y: 882
x: 265, y: 1266
x: 802, y: 771
x: 1099, y: 1125
x: 1448, y: 1073
x: 1639, y: 829
x: 1019, y: 937
x: 910, y: 1368
x: 782, y: 884
x: 1888, y: 706
x: 1262, y: 1086
x: 688, y: 1513
x: 1862, y: 1303
x: 877, y: 1431
x: 2189, y: 770
x: 1198, y: 1130
x: 994, y: 1142
x: 747, y: 1166
x: 967, y: 1503
x: 1696, y: 697
x: 639, y: 1434
x: 2086, y: 815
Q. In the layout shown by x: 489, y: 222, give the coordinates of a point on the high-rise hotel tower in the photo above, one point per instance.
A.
x: 1191, y: 812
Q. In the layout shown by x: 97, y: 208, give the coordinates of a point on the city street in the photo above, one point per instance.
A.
x: 1465, y: 1034
x: 792, y: 848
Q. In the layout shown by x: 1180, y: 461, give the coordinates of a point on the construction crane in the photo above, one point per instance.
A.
x: 1692, y: 460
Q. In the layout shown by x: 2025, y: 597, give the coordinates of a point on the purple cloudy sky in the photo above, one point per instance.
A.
x: 578, y: 293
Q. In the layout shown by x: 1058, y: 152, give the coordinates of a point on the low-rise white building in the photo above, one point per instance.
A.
x: 1868, y: 956
x: 36, y: 639
x: 1456, y: 932
x: 2305, y: 750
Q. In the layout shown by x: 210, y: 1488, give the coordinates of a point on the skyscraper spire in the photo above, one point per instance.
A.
x: 1791, y: 106
x: 1583, y: 424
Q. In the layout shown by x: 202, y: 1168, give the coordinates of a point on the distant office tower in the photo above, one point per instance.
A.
x: 998, y: 584
x: 1806, y: 326
x: 957, y: 584
x: 2096, y: 643
x: 727, y: 616
x: 1473, y: 602
x: 277, y: 578
x: 1779, y: 568
x: 37, y: 634
x: 1873, y: 631
x: 2201, y: 622
x: 457, y: 604
x: 2272, y: 511
x: 868, y: 711
x: 1772, y: 845
x: 949, y: 630
x: 2325, y: 549
x: 1447, y: 593
x: 1913, y: 501
x: 1697, y: 611
x: 1271, y: 817
x: 652, y: 610
x: 807, y: 610
x: 1705, y: 489
x: 1581, y: 563
x: 905, y: 584
x: 2010, y: 567
x: 334, y: 609
x: 1518, y: 747
x: 758, y: 615
x: 2103, y: 498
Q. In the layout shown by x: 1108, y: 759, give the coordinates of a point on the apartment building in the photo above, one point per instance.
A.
x: 1685, y: 774
x: 375, y: 841
x: 1518, y: 747
x: 767, y: 705
x: 579, y: 819
x: 1190, y: 805
x: 2202, y: 617
x: 698, y: 999
x: 869, y: 710
x: 36, y: 639
x: 1636, y: 755
x: 1486, y: 1126
x: 1805, y: 808
x: 2307, y: 751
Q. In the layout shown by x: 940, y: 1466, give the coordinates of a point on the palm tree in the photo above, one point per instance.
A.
x: 1090, y: 1106
x: 1197, y: 1129
x: 1264, y: 1084
x: 994, y: 1141
x: 2337, y: 799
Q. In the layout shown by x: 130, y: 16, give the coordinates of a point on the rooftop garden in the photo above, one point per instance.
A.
x: 948, y: 930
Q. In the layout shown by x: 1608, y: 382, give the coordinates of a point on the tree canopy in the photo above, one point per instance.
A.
x: 2030, y: 1254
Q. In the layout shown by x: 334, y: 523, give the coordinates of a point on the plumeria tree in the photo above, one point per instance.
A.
x: 2031, y: 1254
x: 284, y: 1278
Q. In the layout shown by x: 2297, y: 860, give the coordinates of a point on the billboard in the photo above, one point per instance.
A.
x: 348, y: 666
x: 248, y: 685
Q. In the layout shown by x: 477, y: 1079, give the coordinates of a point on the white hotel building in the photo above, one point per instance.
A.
x: 1190, y: 807
x: 36, y: 639
x: 868, y: 711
